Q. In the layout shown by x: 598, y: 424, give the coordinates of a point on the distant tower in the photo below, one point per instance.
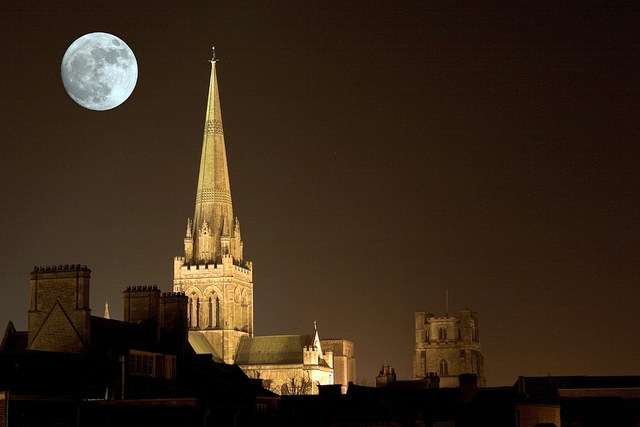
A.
x: 448, y: 346
x: 212, y: 273
x: 106, y: 311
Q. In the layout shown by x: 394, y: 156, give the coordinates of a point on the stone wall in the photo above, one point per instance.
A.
x: 59, y: 314
x: 448, y: 346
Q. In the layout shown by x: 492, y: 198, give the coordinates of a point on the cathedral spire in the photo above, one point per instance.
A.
x: 213, y: 208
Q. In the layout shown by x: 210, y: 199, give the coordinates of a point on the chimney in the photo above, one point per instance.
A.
x: 468, y: 387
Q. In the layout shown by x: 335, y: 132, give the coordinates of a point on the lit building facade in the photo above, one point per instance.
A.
x: 218, y: 282
x: 213, y: 273
x: 448, y: 346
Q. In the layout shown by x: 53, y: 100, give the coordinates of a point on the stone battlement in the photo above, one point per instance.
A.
x: 56, y: 268
x: 241, y: 265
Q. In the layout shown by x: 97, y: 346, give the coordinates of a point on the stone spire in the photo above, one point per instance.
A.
x: 212, y: 228
x: 106, y: 311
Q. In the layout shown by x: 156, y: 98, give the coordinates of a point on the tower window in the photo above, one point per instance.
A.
x: 210, y: 312
x: 442, y: 333
x: 217, y: 312
x: 444, y: 368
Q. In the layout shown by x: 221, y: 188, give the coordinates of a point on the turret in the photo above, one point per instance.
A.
x: 188, y: 242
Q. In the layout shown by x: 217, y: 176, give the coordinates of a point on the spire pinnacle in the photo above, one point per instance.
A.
x: 213, y: 55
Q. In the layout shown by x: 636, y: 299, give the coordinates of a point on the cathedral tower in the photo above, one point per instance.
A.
x: 212, y: 273
x: 448, y: 346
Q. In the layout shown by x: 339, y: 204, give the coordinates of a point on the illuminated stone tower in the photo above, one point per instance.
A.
x: 448, y: 346
x: 212, y: 273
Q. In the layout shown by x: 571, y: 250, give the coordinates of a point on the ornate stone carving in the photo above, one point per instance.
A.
x: 213, y: 127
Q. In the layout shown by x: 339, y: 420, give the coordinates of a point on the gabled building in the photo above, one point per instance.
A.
x: 288, y: 364
x: 71, y: 368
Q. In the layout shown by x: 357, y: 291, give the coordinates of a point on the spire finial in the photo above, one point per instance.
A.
x: 315, y: 325
x: 213, y: 55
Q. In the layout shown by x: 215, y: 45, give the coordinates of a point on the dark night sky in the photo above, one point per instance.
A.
x: 379, y: 152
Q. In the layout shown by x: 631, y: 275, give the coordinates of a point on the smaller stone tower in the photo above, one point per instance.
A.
x: 59, y: 314
x: 448, y: 346
x: 141, y: 304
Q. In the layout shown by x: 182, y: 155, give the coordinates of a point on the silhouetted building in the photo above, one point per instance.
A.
x: 587, y: 401
x: 71, y: 368
x: 448, y: 346
x: 404, y: 404
x: 387, y: 378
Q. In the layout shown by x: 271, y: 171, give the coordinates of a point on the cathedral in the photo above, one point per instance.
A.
x: 218, y: 282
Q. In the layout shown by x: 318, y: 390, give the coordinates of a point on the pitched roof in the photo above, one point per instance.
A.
x: 201, y: 346
x: 277, y: 349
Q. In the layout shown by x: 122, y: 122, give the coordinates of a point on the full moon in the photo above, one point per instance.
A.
x: 99, y: 71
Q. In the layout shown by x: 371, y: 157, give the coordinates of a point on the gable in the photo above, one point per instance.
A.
x: 57, y: 333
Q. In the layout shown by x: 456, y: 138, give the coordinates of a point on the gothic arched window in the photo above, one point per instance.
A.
x: 194, y: 310
x: 217, y: 312
x: 444, y: 368
x: 442, y: 333
x: 197, y: 301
